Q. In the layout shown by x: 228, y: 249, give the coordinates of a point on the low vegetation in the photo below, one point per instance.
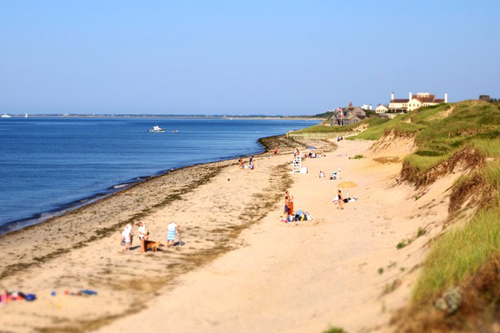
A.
x: 335, y: 330
x: 465, y: 260
x: 403, y: 243
x: 459, y: 254
x: 324, y: 128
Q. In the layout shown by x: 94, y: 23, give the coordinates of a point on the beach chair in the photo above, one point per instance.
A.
x: 297, y: 165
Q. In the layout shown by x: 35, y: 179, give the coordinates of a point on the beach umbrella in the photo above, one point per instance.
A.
x: 311, y: 148
x: 348, y: 184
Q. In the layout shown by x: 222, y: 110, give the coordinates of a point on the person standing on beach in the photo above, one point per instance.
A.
x: 290, y: 204
x: 127, y: 236
x: 143, y: 236
x: 341, y: 200
x: 250, y: 163
x: 287, y: 208
x: 241, y: 163
x: 173, y: 230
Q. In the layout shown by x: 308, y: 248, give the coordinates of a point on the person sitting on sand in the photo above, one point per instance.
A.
x: 173, y: 230
x: 276, y: 151
x: 127, y: 236
x: 143, y: 236
x: 321, y: 174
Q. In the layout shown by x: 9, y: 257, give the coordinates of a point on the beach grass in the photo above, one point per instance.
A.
x: 377, y: 127
x: 492, y: 174
x: 327, y: 129
x: 459, y: 254
x: 423, y: 163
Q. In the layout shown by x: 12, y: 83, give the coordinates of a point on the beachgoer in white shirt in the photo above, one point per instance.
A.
x: 173, y: 230
x: 127, y: 236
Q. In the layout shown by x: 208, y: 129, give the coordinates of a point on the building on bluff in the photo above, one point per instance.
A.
x: 414, y: 102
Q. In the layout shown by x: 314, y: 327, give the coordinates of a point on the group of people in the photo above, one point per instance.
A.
x: 250, y: 166
x: 311, y: 154
x: 335, y: 175
x: 127, y: 235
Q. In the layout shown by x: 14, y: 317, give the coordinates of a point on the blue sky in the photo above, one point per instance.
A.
x: 241, y: 57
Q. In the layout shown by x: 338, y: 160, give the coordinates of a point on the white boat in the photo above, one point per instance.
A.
x: 25, y: 115
x: 156, y: 129
x: 6, y: 116
x: 175, y: 131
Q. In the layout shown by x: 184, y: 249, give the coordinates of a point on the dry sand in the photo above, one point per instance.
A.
x: 241, y: 270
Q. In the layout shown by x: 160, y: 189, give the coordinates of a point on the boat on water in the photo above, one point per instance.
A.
x: 25, y: 115
x: 175, y: 131
x: 156, y: 129
x: 6, y: 116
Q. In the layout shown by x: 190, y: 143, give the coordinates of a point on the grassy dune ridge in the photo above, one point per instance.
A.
x: 462, y: 254
x: 439, y: 135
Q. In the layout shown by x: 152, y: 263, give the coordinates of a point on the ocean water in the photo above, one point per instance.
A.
x: 50, y: 165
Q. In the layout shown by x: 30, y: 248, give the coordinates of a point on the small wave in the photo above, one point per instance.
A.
x: 120, y: 186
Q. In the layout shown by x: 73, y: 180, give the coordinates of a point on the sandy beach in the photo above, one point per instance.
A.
x: 241, y: 269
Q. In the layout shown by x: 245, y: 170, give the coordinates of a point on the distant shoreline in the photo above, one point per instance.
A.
x: 108, y: 116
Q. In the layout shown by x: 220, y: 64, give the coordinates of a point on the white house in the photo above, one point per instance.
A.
x: 381, y: 108
x: 412, y: 103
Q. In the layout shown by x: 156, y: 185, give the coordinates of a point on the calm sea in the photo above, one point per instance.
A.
x: 50, y: 165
